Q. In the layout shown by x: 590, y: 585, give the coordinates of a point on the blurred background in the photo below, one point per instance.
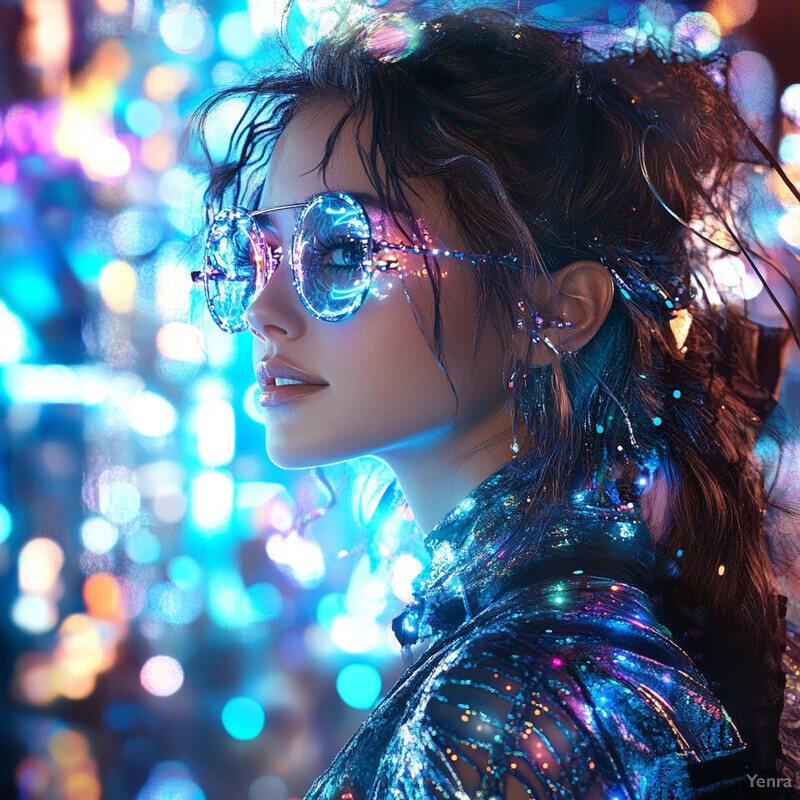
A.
x: 166, y: 632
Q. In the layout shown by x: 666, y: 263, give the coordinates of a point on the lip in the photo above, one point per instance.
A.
x: 271, y: 395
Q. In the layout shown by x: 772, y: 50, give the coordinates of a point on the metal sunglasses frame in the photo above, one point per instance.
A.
x: 202, y: 276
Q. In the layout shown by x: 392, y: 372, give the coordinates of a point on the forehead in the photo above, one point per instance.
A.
x: 295, y: 176
x: 294, y: 173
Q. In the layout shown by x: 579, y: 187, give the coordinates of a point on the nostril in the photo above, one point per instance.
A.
x: 260, y: 336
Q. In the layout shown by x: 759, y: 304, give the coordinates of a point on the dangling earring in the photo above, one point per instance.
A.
x: 514, y: 446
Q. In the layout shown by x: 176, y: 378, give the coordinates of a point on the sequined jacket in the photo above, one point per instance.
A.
x: 548, y: 677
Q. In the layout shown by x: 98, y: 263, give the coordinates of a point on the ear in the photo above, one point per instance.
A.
x: 580, y: 293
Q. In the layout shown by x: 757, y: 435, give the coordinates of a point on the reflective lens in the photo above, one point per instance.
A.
x: 331, y: 256
x: 235, y: 267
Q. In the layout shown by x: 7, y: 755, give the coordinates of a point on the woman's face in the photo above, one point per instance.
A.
x: 371, y: 384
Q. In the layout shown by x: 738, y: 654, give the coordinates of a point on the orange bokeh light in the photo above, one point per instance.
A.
x: 158, y: 152
x: 103, y: 597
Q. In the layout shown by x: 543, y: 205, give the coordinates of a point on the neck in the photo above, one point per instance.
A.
x: 436, y: 476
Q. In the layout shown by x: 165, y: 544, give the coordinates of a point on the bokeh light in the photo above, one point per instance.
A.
x: 299, y: 557
x: 752, y: 83
x: 730, y: 14
x: 789, y: 227
x: 6, y: 523
x: 185, y: 572
x: 789, y: 152
x: 119, y: 501
x: 136, y: 232
x: 118, y: 286
x: 268, y: 787
x: 216, y: 433
x: 243, y: 718
x: 150, y: 414
x: 211, y: 499
x: 359, y: 685
x: 164, y: 82
x: 171, y: 780
x: 40, y: 562
x: 162, y: 676
x: 173, y: 605
x: 114, y: 7
x: 13, y: 337
x: 143, y: 547
x: 106, y: 160
x: 236, y: 35
x: 183, y: 27
x: 98, y: 534
x: 790, y: 103
x: 143, y: 117
x: 696, y: 32
x: 34, y: 613
x: 102, y: 595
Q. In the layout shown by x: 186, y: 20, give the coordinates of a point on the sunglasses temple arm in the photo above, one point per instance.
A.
x: 276, y: 208
x: 426, y: 251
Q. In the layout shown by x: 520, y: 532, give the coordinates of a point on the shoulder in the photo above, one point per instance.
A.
x: 530, y: 702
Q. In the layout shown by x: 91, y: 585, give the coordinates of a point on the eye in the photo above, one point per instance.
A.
x: 343, y: 253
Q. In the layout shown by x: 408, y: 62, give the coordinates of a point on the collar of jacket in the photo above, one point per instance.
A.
x: 487, y: 546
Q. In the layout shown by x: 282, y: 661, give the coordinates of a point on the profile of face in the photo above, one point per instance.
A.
x: 371, y: 383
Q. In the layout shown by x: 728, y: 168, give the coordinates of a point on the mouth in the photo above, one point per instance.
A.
x: 282, y: 382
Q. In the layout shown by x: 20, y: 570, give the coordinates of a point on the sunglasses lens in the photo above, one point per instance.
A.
x: 235, y: 256
x: 331, y: 256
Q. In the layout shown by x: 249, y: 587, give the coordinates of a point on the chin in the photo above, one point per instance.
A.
x: 299, y: 452
x: 294, y: 455
x: 292, y: 458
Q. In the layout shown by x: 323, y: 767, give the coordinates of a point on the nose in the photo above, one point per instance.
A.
x: 276, y: 311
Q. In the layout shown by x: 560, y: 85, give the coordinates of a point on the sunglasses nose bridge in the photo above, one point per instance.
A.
x: 275, y: 310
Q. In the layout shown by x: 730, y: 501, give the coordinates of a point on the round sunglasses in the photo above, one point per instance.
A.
x: 333, y: 258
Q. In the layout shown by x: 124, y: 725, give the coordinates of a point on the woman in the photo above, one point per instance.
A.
x: 471, y: 261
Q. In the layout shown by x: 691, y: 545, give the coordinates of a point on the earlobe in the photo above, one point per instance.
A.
x: 574, y: 304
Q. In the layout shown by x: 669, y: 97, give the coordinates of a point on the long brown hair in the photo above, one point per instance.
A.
x: 537, y: 141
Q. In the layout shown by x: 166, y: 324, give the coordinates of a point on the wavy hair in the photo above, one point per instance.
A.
x: 536, y: 140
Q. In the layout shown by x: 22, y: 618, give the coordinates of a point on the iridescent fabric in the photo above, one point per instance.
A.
x: 790, y: 719
x: 548, y: 674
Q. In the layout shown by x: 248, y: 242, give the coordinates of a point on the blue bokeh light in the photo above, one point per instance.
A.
x: 243, y: 718
x: 265, y: 601
x: 142, y: 547
x: 236, y: 35
x: 143, y: 117
x: 184, y: 572
x: 170, y: 780
x: 6, y: 523
x: 359, y: 685
x: 329, y: 607
x: 168, y: 603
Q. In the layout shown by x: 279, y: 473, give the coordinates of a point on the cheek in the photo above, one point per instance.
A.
x: 386, y: 368
x: 476, y: 372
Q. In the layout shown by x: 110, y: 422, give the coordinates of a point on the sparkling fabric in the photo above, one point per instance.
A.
x: 790, y: 720
x: 547, y: 673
